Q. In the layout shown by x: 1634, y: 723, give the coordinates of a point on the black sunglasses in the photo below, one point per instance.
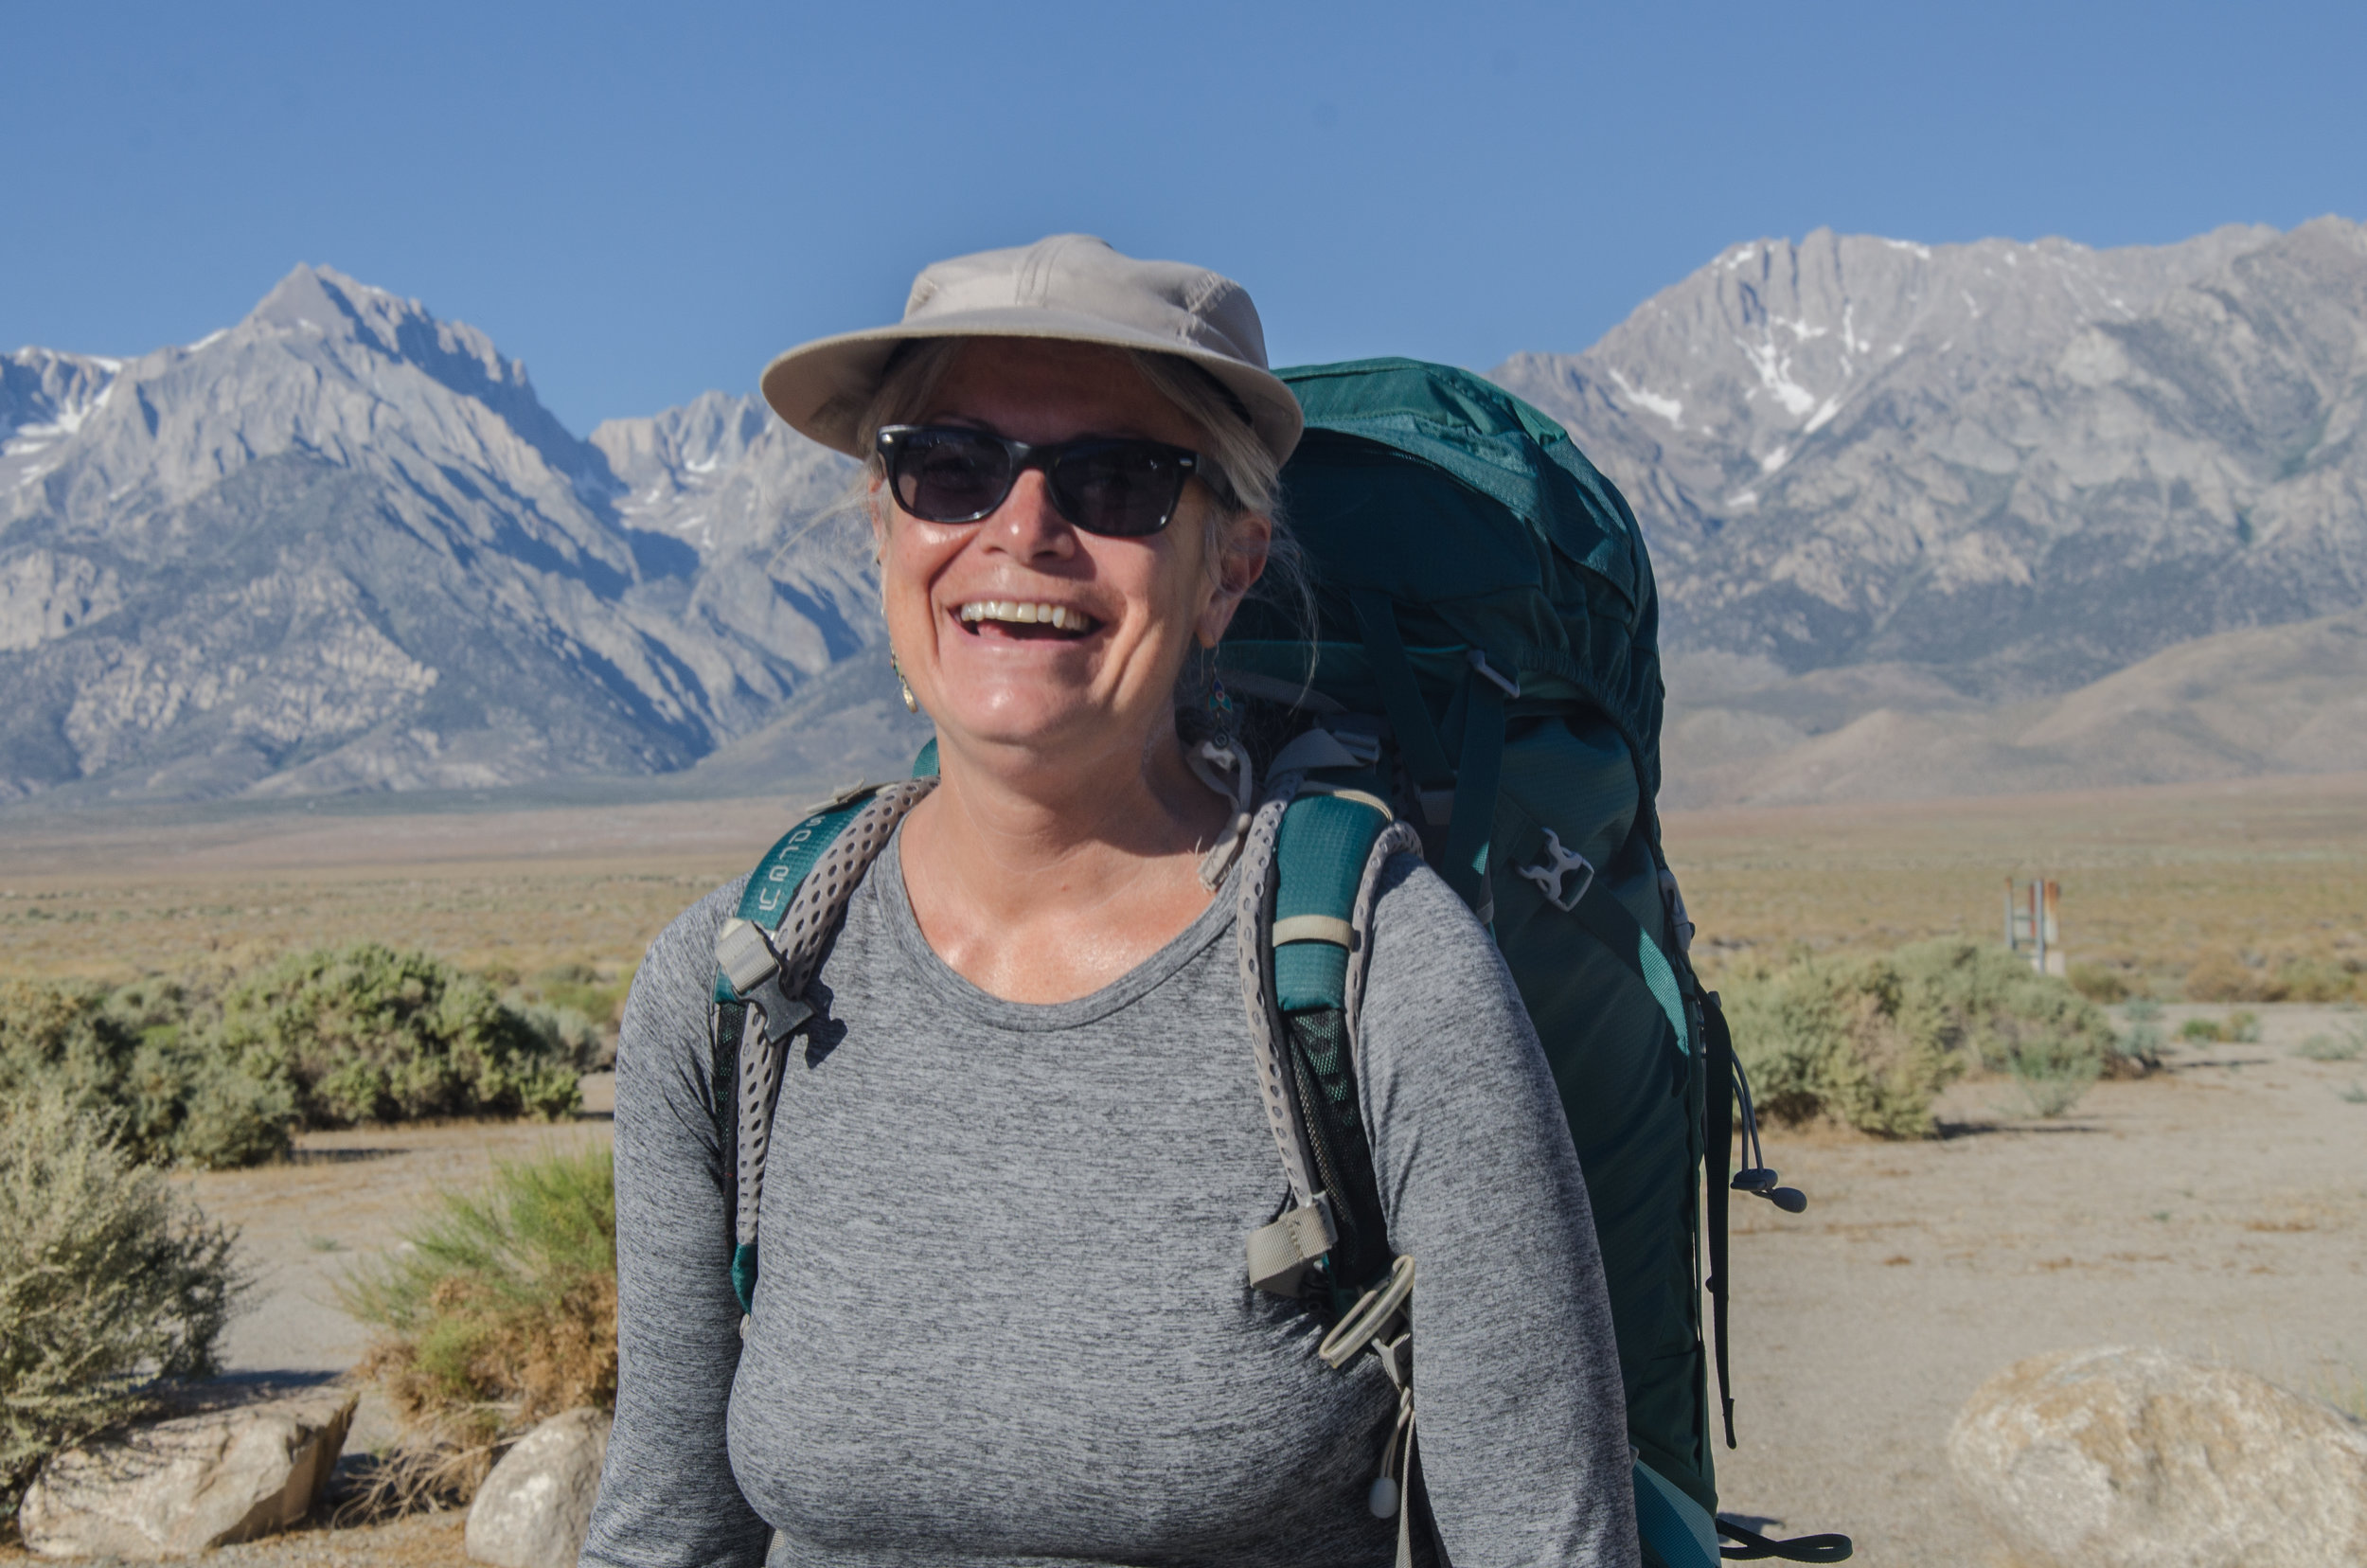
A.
x: 1118, y: 486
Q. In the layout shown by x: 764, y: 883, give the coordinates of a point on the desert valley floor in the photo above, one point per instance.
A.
x: 2218, y: 1208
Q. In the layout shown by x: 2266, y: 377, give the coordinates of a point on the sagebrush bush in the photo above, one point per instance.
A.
x: 2347, y: 1045
x: 500, y: 1311
x: 130, y: 1057
x: 109, y: 1282
x: 1827, y: 1038
x: 1872, y: 1041
x: 368, y: 1033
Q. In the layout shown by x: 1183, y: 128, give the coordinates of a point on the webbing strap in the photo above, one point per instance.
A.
x: 1402, y: 695
x: 1629, y: 942
x: 1810, y: 1548
x: 1465, y: 864
x: 1719, y: 1129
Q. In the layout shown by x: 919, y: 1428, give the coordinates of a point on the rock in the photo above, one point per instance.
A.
x: 533, y: 1511
x: 181, y: 1485
x: 2119, y: 1456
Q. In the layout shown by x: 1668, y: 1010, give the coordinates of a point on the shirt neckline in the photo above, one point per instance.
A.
x: 886, y: 883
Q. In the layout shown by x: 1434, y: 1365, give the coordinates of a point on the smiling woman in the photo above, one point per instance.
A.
x: 1003, y: 1316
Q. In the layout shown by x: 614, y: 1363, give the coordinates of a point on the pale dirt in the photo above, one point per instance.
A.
x: 2218, y: 1209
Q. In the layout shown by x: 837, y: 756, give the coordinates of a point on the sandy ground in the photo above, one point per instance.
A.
x: 2218, y: 1208
x: 348, y: 1196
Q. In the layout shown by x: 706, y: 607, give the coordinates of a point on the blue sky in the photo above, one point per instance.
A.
x: 644, y: 201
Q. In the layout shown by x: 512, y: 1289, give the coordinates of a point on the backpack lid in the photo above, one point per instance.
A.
x: 1487, y: 439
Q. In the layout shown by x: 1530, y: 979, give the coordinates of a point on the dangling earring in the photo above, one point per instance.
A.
x: 1220, y: 705
x: 912, y: 704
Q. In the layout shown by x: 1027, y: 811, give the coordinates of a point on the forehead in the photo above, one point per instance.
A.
x: 1038, y: 391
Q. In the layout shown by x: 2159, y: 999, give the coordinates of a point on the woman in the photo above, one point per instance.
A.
x: 1003, y: 1316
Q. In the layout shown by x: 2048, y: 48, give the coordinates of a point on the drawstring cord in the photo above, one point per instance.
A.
x: 1392, y: 1488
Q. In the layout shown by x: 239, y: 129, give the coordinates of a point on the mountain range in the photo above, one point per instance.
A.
x: 1925, y: 519
x: 1892, y: 487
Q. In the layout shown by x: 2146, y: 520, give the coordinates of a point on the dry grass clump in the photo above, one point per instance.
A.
x: 109, y: 1283
x: 2223, y: 975
x: 1871, y: 1042
x: 500, y: 1311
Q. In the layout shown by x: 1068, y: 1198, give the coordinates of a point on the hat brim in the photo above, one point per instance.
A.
x: 821, y: 388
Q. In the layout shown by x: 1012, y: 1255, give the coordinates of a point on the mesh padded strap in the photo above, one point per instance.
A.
x: 828, y: 853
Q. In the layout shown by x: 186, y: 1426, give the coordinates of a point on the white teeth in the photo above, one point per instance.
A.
x: 1025, y: 614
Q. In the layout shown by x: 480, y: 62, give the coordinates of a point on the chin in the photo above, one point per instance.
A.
x: 1023, y: 720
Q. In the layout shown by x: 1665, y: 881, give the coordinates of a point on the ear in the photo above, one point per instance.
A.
x: 1240, y: 564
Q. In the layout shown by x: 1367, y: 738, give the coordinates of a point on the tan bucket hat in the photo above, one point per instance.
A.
x: 1070, y: 287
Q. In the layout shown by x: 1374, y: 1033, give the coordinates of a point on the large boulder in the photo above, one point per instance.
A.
x: 181, y: 1485
x: 533, y: 1511
x: 2117, y: 1456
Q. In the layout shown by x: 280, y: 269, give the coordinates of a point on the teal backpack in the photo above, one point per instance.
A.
x: 1483, y: 686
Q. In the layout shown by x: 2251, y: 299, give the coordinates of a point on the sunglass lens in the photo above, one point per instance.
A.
x: 951, y: 476
x: 1125, y: 489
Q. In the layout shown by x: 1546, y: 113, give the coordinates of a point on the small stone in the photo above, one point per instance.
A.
x: 179, y: 1487
x: 2120, y: 1457
x: 534, y: 1509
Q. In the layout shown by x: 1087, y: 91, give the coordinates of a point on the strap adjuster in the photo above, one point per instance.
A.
x: 745, y: 955
x: 1559, y: 862
x: 1280, y: 1253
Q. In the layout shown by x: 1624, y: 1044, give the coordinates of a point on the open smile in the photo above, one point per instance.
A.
x: 1024, y: 620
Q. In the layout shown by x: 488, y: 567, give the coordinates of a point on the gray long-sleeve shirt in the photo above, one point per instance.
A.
x: 1004, y: 1317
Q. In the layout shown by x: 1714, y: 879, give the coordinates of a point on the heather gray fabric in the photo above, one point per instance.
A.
x: 1003, y: 1316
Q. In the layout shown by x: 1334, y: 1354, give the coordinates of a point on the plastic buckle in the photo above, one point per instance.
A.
x: 745, y: 955
x: 1559, y: 862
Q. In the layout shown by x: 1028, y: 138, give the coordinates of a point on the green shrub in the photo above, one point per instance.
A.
x: 365, y: 1033
x: 500, y: 1311
x: 2054, y: 1077
x: 2347, y: 1047
x: 2240, y: 1028
x: 108, y: 1282
x: 1826, y: 1038
x: 1872, y: 1041
x: 129, y: 1057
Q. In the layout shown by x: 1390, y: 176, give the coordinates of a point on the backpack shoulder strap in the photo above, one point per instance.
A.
x: 1310, y: 872
x: 765, y: 958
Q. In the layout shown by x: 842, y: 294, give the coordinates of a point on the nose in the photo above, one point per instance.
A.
x: 1027, y: 525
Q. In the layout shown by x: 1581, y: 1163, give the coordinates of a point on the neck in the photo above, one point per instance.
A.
x: 1022, y: 835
